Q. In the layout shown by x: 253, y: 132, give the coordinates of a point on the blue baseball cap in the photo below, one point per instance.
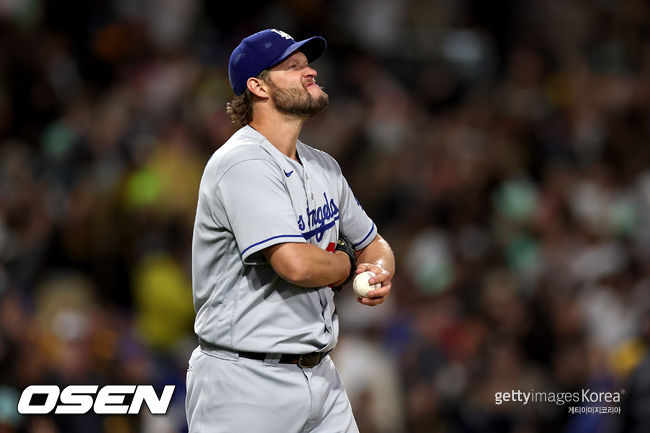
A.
x: 265, y: 49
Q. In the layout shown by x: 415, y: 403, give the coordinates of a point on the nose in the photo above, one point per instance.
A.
x: 310, y: 72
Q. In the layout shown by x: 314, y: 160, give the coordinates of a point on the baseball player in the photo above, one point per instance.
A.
x: 277, y: 233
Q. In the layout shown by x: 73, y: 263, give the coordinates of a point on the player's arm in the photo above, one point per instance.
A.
x: 378, y: 258
x: 307, y: 265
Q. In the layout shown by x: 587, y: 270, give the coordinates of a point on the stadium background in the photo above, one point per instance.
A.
x: 502, y: 148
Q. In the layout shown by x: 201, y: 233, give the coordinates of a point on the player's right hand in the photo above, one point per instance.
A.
x: 376, y: 296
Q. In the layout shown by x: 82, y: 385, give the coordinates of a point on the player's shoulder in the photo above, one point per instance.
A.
x: 243, y: 145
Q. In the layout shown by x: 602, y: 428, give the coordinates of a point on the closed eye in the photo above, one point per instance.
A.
x: 297, y: 65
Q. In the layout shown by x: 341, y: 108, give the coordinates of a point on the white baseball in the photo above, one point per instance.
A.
x: 361, y: 286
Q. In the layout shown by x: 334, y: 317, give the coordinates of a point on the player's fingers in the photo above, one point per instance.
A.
x: 363, y: 267
x: 381, y: 292
x: 371, y: 302
x: 380, y: 277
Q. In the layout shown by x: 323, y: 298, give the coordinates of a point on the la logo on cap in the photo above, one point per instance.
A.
x: 283, y: 34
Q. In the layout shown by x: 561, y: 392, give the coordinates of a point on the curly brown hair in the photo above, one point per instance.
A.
x: 240, y: 108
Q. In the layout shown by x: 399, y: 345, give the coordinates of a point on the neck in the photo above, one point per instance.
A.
x: 280, y: 130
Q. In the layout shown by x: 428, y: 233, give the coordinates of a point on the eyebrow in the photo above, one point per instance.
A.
x: 298, y: 59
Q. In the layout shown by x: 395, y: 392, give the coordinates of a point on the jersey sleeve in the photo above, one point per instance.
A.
x: 355, y: 224
x: 257, y: 208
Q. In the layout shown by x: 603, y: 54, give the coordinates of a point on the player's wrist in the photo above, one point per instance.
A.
x: 343, y: 266
x: 343, y: 245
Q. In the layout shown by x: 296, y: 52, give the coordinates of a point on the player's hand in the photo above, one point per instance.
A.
x: 376, y: 296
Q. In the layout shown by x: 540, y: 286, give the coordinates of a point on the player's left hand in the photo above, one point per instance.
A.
x: 376, y: 296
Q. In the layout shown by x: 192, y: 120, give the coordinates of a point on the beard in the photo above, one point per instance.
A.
x: 297, y: 101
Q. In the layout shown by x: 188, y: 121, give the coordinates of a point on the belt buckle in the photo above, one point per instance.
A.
x: 309, y: 360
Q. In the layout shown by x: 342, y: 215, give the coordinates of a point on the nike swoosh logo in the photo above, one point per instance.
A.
x: 288, y: 173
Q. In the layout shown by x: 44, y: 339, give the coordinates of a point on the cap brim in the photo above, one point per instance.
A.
x: 312, y: 48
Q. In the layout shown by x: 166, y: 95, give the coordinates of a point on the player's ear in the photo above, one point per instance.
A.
x: 257, y: 87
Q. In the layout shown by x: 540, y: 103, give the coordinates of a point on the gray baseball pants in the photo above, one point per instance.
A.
x: 229, y: 394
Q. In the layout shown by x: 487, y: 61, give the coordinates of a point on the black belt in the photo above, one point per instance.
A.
x: 306, y: 360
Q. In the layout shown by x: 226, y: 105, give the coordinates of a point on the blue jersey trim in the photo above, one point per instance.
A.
x: 271, y: 238
x: 320, y: 230
x: 364, y: 239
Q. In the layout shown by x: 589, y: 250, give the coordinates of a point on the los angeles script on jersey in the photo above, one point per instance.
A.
x: 319, y: 220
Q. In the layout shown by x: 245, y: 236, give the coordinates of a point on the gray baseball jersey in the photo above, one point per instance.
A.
x: 252, y: 196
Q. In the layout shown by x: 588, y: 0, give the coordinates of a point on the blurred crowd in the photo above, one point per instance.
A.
x: 502, y: 148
